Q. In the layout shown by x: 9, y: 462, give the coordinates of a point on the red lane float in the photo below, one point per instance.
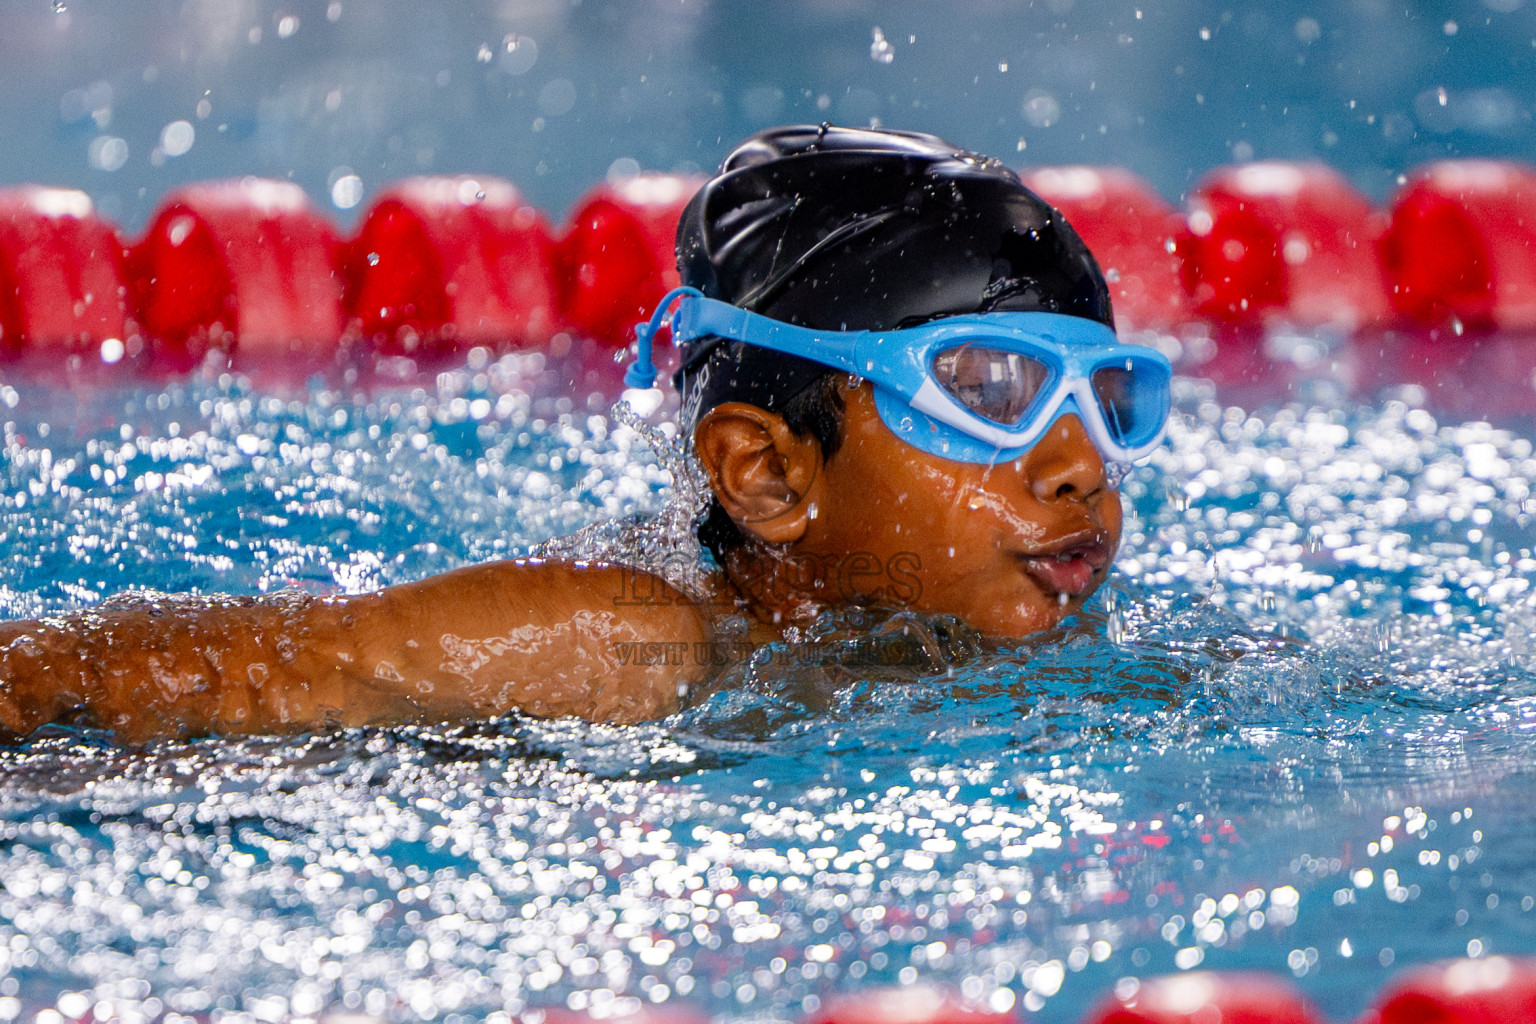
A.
x: 914, y: 1005
x: 1131, y: 231
x: 1294, y: 242
x: 61, y: 275
x: 448, y: 261
x: 247, y: 265
x: 618, y: 259
x: 1462, y: 245
x: 440, y: 262
x: 1493, y: 990
x: 1203, y: 997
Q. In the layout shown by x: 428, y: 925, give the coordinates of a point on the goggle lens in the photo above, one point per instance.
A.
x: 1005, y: 387
x: 995, y: 384
x: 1133, y: 398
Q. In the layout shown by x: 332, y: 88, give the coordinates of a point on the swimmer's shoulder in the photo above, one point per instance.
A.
x: 603, y: 595
x: 603, y: 642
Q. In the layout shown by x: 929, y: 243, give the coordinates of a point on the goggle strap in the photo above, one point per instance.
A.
x: 703, y: 317
x: 712, y: 318
x: 642, y: 373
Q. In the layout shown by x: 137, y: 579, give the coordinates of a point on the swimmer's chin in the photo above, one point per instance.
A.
x: 1020, y: 621
x: 1035, y: 612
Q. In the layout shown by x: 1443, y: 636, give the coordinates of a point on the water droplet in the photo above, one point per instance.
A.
x: 484, y: 55
x: 1383, y: 637
x: 1114, y: 620
x: 177, y: 138
x: 1267, y: 601
x: 880, y: 50
x: 1177, y: 496
x: 518, y: 54
x: 1114, y: 627
x: 59, y: 6
x: 373, y: 259
x: 346, y: 188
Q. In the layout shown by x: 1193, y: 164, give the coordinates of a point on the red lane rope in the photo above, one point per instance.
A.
x: 442, y: 263
x: 1490, y: 990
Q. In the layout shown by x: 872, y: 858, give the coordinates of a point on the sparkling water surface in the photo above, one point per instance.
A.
x: 1297, y: 732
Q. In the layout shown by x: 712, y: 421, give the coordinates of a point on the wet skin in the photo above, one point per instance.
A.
x: 547, y: 638
x: 1011, y: 548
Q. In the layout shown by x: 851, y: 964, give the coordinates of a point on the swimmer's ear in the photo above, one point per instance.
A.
x: 761, y: 470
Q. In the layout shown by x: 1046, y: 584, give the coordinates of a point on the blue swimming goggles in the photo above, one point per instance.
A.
x: 975, y: 388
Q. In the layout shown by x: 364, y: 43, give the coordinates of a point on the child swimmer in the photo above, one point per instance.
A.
x: 902, y: 380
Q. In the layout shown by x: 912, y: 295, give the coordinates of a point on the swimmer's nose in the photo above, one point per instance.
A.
x: 1064, y: 463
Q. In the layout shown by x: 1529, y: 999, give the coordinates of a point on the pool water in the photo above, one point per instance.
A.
x: 1297, y: 732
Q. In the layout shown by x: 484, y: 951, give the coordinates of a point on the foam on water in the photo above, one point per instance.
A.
x: 661, y: 540
x: 1294, y: 733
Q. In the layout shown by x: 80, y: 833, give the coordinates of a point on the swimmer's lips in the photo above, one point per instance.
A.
x: 1070, y: 565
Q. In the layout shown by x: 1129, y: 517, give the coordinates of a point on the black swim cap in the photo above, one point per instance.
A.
x: 865, y: 229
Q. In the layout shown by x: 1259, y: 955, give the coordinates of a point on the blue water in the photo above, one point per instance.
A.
x: 1297, y: 732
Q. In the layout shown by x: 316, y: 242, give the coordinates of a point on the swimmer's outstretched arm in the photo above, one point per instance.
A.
x: 549, y: 638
